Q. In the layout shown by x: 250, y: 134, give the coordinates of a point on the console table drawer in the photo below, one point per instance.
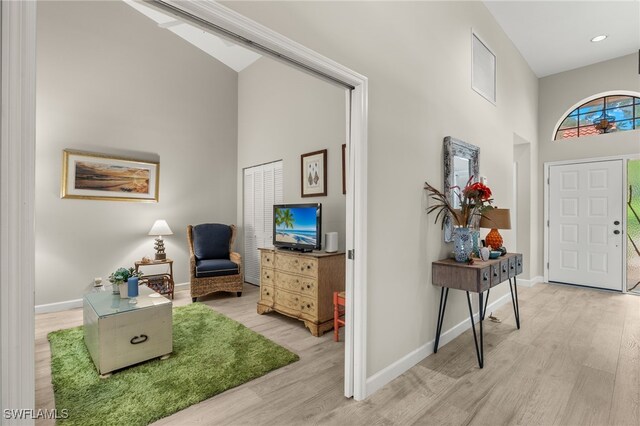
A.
x: 495, y: 274
x: 297, y: 265
x: 504, y: 270
x: 512, y: 267
x: 518, y: 264
x: 306, y: 286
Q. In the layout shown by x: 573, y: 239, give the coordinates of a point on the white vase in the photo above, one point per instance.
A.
x: 124, y: 290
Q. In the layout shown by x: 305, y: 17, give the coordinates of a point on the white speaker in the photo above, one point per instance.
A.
x: 331, y: 242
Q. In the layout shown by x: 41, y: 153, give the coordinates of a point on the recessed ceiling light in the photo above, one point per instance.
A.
x: 599, y: 38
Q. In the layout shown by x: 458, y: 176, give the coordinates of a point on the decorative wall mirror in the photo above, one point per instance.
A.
x: 461, y: 161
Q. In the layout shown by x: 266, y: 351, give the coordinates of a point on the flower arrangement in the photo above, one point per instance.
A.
x: 121, y: 275
x: 474, y: 200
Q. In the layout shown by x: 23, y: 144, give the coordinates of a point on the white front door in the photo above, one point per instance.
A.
x: 585, y: 224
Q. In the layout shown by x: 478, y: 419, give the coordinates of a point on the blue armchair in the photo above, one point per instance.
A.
x: 214, y: 267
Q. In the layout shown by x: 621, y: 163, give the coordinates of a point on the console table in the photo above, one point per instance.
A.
x: 477, y: 278
x: 301, y: 285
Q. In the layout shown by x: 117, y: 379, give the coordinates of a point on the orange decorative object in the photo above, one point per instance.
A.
x: 338, y: 313
x: 494, y: 239
x: 495, y: 219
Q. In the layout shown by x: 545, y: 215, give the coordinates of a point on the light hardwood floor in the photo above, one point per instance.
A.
x: 575, y: 361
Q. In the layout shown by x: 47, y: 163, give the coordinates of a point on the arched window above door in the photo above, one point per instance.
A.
x: 606, y: 114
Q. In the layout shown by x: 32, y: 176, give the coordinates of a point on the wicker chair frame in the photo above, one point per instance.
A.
x: 208, y: 285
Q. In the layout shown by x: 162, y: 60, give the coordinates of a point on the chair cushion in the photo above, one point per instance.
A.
x: 211, y: 241
x: 215, y: 268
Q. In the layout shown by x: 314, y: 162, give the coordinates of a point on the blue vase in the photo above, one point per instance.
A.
x: 462, y: 244
x: 476, y: 242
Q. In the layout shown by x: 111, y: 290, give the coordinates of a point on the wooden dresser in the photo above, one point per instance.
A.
x: 301, y: 285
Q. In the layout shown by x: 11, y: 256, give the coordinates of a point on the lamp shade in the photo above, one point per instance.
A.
x: 496, y: 219
x: 160, y: 227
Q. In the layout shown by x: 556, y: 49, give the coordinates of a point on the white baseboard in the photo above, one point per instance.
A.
x: 59, y: 306
x: 530, y: 283
x: 77, y: 303
x: 389, y: 373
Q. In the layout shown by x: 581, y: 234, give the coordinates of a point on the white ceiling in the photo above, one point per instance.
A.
x: 555, y: 36
x: 234, y: 56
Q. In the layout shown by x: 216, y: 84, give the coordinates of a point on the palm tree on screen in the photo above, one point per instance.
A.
x: 284, y: 217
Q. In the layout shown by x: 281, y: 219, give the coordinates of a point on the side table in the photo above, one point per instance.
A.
x: 162, y: 283
x: 119, y: 334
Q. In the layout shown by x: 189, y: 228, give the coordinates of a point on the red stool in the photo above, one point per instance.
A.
x: 338, y: 313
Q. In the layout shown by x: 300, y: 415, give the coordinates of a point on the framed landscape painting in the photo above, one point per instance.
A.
x: 101, y: 177
x: 313, y: 174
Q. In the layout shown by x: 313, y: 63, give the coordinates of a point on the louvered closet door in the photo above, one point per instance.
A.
x: 250, y: 259
x: 585, y: 224
x: 263, y: 187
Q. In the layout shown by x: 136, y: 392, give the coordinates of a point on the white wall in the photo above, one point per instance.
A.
x: 558, y: 94
x: 417, y: 56
x: 283, y: 113
x: 110, y: 81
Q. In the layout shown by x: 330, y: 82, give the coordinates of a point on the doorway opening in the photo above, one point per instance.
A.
x: 633, y: 226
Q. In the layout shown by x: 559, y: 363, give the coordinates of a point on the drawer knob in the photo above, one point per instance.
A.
x: 495, y: 273
x: 308, y: 266
x: 136, y: 340
x: 308, y: 286
x: 485, y: 276
x: 511, y: 266
x: 308, y: 306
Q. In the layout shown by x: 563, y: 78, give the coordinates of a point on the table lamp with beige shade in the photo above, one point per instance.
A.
x: 159, y: 229
x: 495, y: 219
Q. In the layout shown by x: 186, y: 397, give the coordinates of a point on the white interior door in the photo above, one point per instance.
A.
x: 263, y: 187
x: 585, y: 224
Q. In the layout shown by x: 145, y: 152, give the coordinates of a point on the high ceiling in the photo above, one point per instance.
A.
x: 234, y: 56
x: 555, y: 36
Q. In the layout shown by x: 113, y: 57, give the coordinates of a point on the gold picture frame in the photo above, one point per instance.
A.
x: 93, y: 176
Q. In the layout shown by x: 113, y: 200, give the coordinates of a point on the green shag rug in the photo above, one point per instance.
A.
x: 211, y: 353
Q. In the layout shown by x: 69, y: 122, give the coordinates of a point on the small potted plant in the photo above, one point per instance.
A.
x: 119, y: 280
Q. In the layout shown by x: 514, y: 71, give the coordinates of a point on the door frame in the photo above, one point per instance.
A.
x: 17, y: 169
x: 547, y: 165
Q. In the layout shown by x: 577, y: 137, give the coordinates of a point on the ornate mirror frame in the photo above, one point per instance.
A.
x: 456, y: 148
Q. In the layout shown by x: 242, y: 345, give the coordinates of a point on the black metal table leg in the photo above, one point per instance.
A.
x: 514, y: 301
x: 486, y: 302
x: 444, y: 292
x: 479, y: 350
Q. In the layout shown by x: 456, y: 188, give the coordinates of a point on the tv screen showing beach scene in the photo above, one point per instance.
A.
x: 297, y: 225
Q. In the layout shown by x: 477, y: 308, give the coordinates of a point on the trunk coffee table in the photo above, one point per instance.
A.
x: 119, y: 334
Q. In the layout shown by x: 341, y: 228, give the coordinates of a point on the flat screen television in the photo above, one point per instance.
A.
x: 297, y: 226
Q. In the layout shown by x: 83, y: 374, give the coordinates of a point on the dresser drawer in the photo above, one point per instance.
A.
x: 307, y: 286
x: 296, y: 303
x: 266, y: 293
x: 266, y: 258
x: 266, y: 276
x: 297, y: 264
